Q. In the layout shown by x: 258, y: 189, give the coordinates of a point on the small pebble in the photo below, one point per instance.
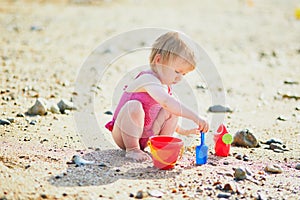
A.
x: 273, y: 140
x: 131, y: 195
x: 80, y: 184
x: 20, y: 115
x: 217, y: 183
x: 276, y: 169
x: 290, y: 96
x: 44, y: 140
x: 201, y: 86
x: 297, y: 166
x: 36, y: 28
x: 245, y: 158
x: 212, y: 163
x: 4, y: 122
x: 282, y: 118
x: 239, y: 157
x: 11, y: 119
x: 80, y: 161
x: 219, y: 187
x: 219, y: 108
x: 240, y: 173
x: 228, y: 187
x: 53, y: 108
x: 58, y: 176
x: 108, y: 112
x: 276, y: 146
x: 3, y: 198
x: 39, y: 107
x: 291, y: 82
x: 155, y: 193
x: 224, y: 195
x: 141, y: 194
x: 33, y: 122
x: 248, y: 171
x: 261, y: 196
x: 64, y: 105
x: 182, y: 185
x: 278, y: 151
x: 225, y: 163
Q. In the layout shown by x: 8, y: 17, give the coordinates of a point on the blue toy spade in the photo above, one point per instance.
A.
x: 201, y: 151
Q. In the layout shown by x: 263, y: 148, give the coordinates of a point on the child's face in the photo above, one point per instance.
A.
x: 172, y: 71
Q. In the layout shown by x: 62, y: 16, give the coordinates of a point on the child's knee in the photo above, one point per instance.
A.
x: 169, y: 115
x: 134, y: 108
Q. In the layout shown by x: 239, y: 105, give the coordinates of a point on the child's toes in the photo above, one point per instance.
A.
x: 143, y: 157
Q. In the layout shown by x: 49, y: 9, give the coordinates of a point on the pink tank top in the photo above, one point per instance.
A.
x: 150, y: 107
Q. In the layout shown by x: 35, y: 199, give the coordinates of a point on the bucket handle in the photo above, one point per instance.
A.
x: 181, y: 152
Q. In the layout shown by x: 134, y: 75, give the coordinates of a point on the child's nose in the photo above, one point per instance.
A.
x: 179, y: 77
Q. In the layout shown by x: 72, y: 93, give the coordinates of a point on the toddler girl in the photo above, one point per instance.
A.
x: 147, y: 107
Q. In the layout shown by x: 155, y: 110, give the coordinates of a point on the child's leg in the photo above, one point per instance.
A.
x: 128, y: 130
x: 165, y: 123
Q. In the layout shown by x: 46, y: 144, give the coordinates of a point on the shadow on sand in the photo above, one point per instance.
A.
x: 110, y: 165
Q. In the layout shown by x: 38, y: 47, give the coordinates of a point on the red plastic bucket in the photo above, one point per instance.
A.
x: 165, y: 151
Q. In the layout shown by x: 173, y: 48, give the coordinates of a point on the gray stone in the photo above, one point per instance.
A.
x: 33, y: 122
x: 278, y: 147
x: 297, y: 166
x: 240, y: 173
x: 65, y: 105
x: 4, y: 122
x: 20, y: 115
x: 273, y: 140
x: 275, y: 146
x: 141, y: 194
x: 108, y: 112
x: 11, y: 119
x: 219, y: 109
x: 39, y: 108
x: 245, y: 138
x: 155, y: 193
x: 224, y: 195
x: 276, y: 169
x: 278, y: 150
x: 80, y: 161
x: 53, y: 108
x: 282, y: 118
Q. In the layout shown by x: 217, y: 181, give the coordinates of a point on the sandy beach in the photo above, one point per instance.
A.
x: 254, y: 47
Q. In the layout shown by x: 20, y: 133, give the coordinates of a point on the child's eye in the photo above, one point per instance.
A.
x: 177, y: 72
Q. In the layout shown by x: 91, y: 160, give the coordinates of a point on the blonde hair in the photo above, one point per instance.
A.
x: 169, y: 46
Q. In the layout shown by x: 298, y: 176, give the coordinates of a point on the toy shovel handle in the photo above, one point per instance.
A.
x: 202, y: 138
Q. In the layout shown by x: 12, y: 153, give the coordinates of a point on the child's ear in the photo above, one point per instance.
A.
x: 157, y: 59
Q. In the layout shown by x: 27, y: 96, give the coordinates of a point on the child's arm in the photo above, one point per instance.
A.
x: 185, y: 132
x: 154, y: 88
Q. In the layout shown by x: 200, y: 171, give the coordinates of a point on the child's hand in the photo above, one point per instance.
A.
x: 203, y: 125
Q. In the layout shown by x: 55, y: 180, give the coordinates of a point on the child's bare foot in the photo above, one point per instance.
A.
x: 137, y: 155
